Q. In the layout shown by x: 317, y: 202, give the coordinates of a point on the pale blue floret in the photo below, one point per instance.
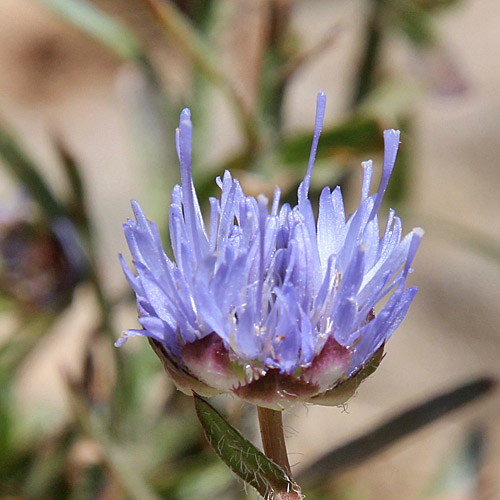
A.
x: 273, y: 285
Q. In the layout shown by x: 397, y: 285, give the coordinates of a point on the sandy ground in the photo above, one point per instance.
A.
x: 51, y: 78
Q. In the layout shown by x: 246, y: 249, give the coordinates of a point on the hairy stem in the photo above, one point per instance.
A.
x: 273, y: 439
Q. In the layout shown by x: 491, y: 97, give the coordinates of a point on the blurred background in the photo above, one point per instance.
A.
x: 90, y: 93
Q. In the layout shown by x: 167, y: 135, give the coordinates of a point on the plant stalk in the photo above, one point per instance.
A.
x: 273, y: 439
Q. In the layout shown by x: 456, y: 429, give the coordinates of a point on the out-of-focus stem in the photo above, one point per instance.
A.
x: 370, y: 55
x: 300, y: 59
x: 189, y: 42
x: 273, y: 89
x: 93, y: 425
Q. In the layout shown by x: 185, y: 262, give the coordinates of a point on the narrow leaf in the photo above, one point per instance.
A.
x: 241, y: 456
x: 358, y: 135
x: 376, y: 440
x: 26, y: 172
x: 97, y: 24
x: 77, y: 208
x: 415, y: 22
x: 74, y: 177
x: 437, y: 4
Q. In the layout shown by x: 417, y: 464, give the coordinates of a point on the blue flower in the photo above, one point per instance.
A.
x: 268, y: 303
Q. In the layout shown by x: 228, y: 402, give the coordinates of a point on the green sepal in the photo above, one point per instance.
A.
x: 344, y: 390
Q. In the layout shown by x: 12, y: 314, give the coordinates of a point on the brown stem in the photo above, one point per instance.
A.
x: 273, y: 439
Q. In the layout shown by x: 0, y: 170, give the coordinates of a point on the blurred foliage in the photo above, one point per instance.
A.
x: 458, y: 476
x: 129, y: 434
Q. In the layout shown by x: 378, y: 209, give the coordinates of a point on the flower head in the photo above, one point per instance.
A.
x: 269, y: 303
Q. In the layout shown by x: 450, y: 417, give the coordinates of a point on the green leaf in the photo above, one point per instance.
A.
x: 398, y: 427
x: 437, y: 4
x: 392, y: 99
x: 98, y: 25
x: 414, y: 21
x: 72, y: 171
x: 241, y: 456
x: 26, y: 172
x: 357, y: 135
x: 6, y: 421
